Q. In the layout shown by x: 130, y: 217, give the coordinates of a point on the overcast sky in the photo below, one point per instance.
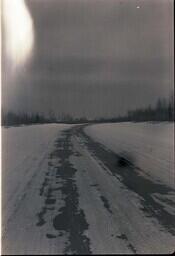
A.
x: 94, y: 57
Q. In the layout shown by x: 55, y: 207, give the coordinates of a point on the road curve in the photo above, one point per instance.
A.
x: 82, y: 202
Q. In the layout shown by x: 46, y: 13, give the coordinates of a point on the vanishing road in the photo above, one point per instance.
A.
x: 84, y: 202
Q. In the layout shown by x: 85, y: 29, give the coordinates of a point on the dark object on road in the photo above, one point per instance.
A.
x: 125, y: 160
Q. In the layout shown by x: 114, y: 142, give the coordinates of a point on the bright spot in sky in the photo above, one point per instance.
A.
x: 19, y: 35
x: 138, y: 7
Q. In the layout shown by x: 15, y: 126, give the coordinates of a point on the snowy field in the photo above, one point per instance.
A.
x: 149, y: 145
x: 24, y: 149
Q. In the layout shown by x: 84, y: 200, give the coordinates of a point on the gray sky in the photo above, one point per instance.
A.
x: 95, y: 57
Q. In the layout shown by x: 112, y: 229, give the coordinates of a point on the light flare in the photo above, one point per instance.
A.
x: 19, y: 35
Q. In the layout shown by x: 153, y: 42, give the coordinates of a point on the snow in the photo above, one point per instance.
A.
x: 150, y: 145
x: 23, y: 150
x: 110, y: 211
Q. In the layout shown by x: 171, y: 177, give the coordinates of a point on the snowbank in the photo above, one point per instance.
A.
x: 151, y: 145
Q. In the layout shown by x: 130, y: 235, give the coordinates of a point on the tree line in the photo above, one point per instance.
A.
x: 162, y: 111
x: 10, y: 118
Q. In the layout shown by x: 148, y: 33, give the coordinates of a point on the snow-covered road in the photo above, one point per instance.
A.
x: 24, y: 150
x: 76, y: 199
